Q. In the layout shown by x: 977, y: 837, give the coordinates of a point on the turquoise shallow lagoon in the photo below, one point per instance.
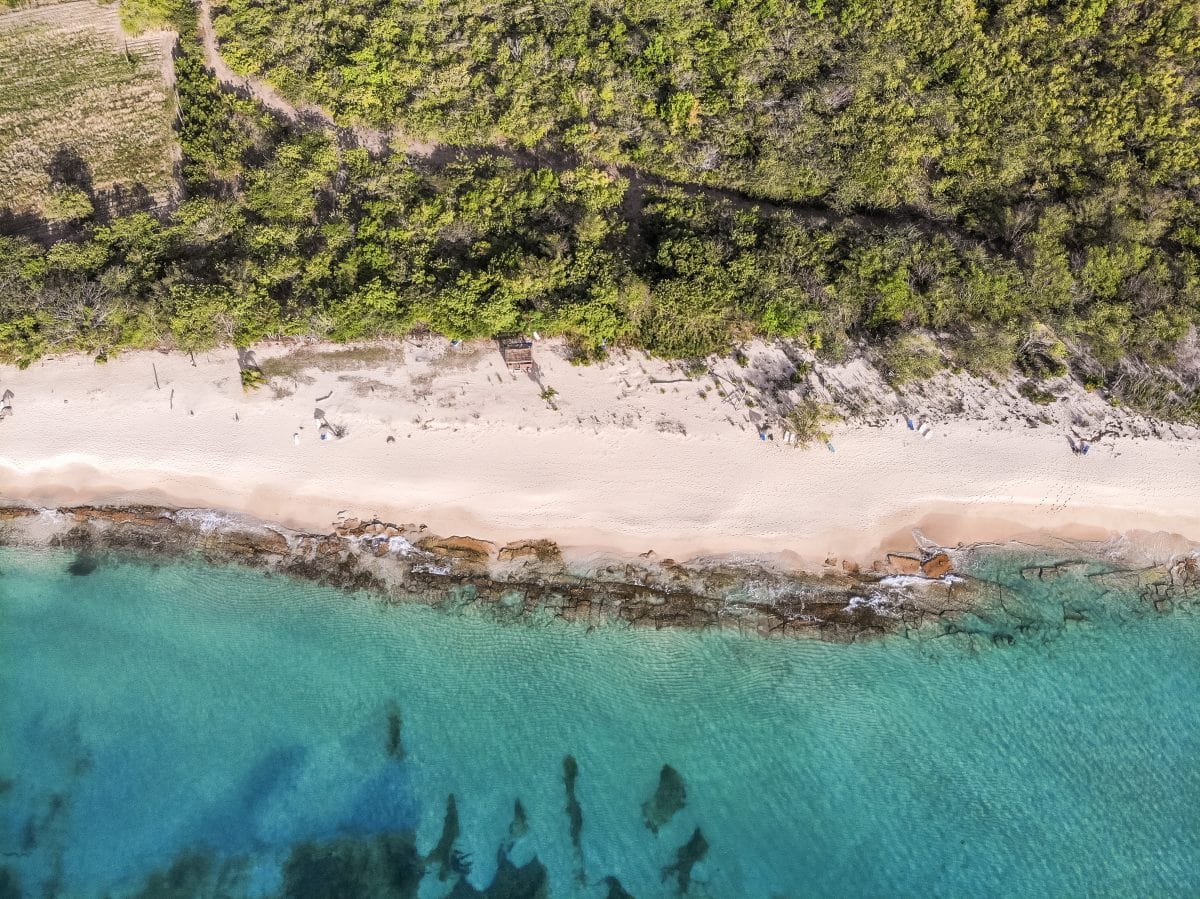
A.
x: 178, y: 730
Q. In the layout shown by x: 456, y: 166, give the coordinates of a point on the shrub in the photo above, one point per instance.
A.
x: 807, y: 420
x: 912, y: 357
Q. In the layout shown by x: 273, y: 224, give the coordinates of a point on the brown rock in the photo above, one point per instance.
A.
x: 902, y: 564
x: 937, y: 565
x: 144, y: 515
x: 330, y: 546
x: 7, y: 513
x: 542, y: 550
x: 465, y: 549
x: 850, y: 567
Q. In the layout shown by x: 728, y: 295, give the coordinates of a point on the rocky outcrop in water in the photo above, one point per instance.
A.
x: 531, y: 579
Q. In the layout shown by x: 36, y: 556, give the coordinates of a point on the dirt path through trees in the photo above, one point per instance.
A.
x: 374, y: 139
x: 380, y: 141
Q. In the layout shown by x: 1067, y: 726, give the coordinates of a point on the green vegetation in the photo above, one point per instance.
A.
x: 808, y: 420
x: 138, y: 16
x: 948, y: 108
x: 85, y: 120
x: 983, y: 187
x: 910, y: 357
x: 1036, y: 394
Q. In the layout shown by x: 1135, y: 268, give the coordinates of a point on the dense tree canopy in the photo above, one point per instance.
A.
x: 979, y: 185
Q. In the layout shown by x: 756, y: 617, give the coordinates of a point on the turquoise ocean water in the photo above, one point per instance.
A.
x: 177, y: 730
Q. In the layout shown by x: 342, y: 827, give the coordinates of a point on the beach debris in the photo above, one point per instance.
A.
x: 517, y: 353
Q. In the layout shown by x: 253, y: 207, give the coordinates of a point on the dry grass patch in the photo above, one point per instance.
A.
x: 85, y: 112
x: 294, y: 363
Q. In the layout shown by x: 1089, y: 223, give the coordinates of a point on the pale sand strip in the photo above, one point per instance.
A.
x: 607, y: 469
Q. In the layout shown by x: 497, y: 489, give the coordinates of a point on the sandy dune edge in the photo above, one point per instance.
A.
x: 627, y: 456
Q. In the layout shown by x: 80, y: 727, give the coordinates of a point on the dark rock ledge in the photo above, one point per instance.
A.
x: 531, y: 579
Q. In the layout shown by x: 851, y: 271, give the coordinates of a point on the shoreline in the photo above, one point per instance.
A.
x: 940, y: 588
x: 626, y: 456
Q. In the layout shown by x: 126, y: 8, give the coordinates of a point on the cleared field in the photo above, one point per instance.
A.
x: 85, y: 111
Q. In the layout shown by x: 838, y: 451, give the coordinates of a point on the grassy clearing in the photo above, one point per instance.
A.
x: 85, y: 110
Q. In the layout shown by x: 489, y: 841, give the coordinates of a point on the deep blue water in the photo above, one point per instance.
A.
x: 182, y: 730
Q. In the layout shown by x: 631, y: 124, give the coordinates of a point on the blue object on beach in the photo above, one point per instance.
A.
x: 762, y: 436
x: 908, y: 421
x: 829, y: 446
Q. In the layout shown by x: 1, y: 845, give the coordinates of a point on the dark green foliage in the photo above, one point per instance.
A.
x: 911, y: 357
x: 979, y: 187
x: 1036, y: 394
x: 924, y: 104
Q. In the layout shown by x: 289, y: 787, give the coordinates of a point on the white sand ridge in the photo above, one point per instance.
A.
x: 629, y: 455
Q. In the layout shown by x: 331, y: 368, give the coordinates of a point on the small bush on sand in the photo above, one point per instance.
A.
x: 807, y: 420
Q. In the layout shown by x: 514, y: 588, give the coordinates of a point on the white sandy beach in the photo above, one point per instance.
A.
x: 632, y: 459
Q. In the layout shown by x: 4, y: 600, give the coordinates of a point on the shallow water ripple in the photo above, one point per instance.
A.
x: 183, y: 730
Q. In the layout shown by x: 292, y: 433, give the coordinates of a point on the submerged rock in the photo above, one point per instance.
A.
x: 385, y: 865
x: 574, y: 813
x: 669, y: 798
x: 447, y: 858
x: 615, y: 890
x: 83, y: 565
x: 687, y: 857
x: 395, y: 747
x: 10, y: 886
x: 529, y: 881
x: 520, y: 823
